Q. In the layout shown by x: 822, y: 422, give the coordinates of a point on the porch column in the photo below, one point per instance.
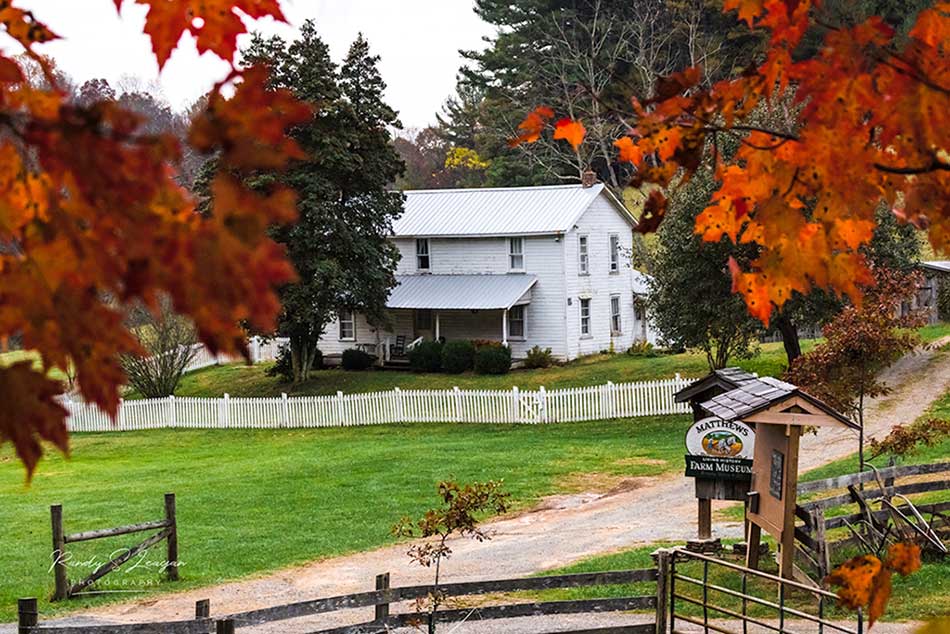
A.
x: 504, y: 328
x: 437, y: 327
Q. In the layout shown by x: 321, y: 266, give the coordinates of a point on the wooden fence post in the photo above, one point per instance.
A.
x: 226, y: 411
x: 224, y: 626
x: 172, y: 559
x: 662, y: 588
x: 382, y: 609
x: 515, y: 405
x: 59, y: 552
x: 285, y: 409
x: 400, y: 406
x: 542, y: 404
x: 339, y: 407
x: 457, y: 398
x: 27, y: 615
x: 203, y: 609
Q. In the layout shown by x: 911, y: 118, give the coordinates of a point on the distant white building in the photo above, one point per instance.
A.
x: 526, y: 266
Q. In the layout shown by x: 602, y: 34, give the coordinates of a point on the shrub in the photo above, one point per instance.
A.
x: 458, y: 356
x: 284, y: 366
x: 493, y: 360
x: 642, y: 349
x: 538, y: 358
x: 426, y: 357
x: 943, y: 298
x: 354, y: 359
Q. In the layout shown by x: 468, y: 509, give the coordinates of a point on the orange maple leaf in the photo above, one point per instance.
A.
x: 571, y: 131
x: 30, y: 412
x: 749, y: 10
x: 629, y: 150
x: 532, y: 126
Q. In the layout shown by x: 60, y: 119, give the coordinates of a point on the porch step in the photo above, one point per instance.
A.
x: 397, y: 364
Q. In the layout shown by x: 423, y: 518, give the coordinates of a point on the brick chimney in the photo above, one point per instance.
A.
x: 588, y: 179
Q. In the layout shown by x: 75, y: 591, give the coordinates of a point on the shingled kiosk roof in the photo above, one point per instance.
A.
x: 725, y: 379
x: 759, y: 394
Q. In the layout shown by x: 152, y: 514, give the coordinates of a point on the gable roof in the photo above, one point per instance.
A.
x: 503, y: 211
x: 760, y: 394
x: 725, y: 379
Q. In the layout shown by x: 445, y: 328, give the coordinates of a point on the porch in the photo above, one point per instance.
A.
x: 453, y: 307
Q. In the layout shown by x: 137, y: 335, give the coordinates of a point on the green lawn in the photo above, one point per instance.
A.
x: 242, y: 380
x: 254, y: 501
x: 920, y: 596
x: 934, y: 331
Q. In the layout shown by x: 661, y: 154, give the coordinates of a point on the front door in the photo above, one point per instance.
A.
x: 423, y: 324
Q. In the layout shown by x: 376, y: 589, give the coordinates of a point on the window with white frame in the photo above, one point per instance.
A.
x: 347, y: 325
x: 583, y: 256
x: 517, y: 322
x: 585, y: 317
x: 422, y: 254
x: 516, y: 254
x: 615, y: 322
x: 614, y: 246
x: 639, y: 309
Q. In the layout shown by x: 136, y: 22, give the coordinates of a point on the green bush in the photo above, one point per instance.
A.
x: 458, y: 356
x: 426, y: 357
x: 642, y: 348
x: 539, y: 358
x: 354, y: 359
x: 284, y: 366
x: 493, y: 360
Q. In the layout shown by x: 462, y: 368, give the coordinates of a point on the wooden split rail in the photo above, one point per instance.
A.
x: 384, y: 598
x: 813, y: 544
x: 167, y: 530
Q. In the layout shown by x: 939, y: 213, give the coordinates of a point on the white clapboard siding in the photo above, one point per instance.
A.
x: 598, y: 402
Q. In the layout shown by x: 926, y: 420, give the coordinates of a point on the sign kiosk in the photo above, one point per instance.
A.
x: 718, y: 453
x: 779, y: 411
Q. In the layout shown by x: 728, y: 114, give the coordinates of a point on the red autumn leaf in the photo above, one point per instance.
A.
x: 30, y: 412
x: 653, y: 211
x: 571, y: 131
x: 749, y: 10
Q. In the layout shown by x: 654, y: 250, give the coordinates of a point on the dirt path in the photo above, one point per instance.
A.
x: 562, y: 530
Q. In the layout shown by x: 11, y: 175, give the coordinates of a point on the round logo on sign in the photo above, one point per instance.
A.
x: 720, y: 439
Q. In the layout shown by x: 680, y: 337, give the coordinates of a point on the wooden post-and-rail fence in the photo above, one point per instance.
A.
x: 655, y: 605
x: 167, y: 530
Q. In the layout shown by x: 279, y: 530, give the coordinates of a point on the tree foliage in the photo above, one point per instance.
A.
x: 865, y: 581
x: 872, y: 128
x: 691, y: 300
x: 92, y: 219
x: 860, y: 342
x: 339, y: 243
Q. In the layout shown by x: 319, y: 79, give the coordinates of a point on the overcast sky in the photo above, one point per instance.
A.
x: 418, y: 41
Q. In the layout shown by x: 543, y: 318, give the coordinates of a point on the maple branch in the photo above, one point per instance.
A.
x: 934, y: 165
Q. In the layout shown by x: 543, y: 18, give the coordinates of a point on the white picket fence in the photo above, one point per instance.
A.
x: 620, y: 400
x: 260, y: 350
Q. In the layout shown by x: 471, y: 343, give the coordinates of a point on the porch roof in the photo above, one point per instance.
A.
x: 460, y: 292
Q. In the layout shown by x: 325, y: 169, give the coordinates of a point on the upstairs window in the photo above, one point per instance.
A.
x: 614, y: 246
x: 583, y: 257
x: 615, y: 323
x: 515, y: 254
x: 422, y: 254
x: 347, y: 325
x: 516, y: 322
x: 585, y: 317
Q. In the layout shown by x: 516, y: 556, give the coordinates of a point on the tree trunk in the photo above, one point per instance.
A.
x: 793, y: 346
x: 302, y: 353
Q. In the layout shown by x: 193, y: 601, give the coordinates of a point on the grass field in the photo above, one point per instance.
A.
x: 242, y: 380
x: 920, y: 596
x: 254, y: 501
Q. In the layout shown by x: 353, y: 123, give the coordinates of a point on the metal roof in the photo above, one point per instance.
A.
x: 506, y: 211
x: 941, y: 266
x: 641, y: 282
x: 460, y: 292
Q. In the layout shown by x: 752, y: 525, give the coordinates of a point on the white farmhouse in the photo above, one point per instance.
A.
x: 526, y: 266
